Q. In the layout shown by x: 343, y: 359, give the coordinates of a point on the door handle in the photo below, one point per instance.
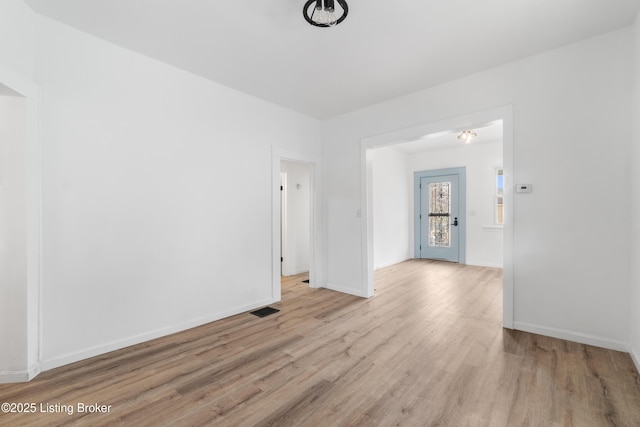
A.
x: 455, y: 221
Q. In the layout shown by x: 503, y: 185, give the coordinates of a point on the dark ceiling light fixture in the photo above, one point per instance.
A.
x: 323, y: 13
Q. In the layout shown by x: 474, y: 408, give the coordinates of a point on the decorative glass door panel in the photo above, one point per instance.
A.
x: 439, y: 214
x: 439, y: 222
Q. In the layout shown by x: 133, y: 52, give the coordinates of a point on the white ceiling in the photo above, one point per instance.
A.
x: 383, y: 49
x: 488, y: 132
x: 6, y: 91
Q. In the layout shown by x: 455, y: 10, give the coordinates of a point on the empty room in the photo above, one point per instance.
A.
x: 437, y: 205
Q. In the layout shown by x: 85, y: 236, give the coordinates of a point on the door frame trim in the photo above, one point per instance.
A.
x: 316, y: 270
x: 29, y: 90
x: 462, y: 208
x: 464, y: 121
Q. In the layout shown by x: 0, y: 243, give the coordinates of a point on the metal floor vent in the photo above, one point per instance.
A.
x: 265, y: 311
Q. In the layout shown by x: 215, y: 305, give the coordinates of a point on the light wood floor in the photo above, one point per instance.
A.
x: 427, y: 350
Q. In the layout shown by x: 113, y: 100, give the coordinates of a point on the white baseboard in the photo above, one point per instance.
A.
x: 294, y: 272
x: 635, y: 356
x: 572, y: 336
x: 147, y: 336
x: 389, y: 264
x: 23, y: 376
x: 484, y: 264
x: 27, y: 375
x: 344, y: 290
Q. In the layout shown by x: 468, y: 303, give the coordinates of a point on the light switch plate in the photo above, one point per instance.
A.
x: 524, y: 188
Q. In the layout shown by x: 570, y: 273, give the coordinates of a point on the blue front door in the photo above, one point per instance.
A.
x: 439, y: 217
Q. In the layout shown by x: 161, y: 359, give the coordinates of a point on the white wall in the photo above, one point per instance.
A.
x: 484, y: 239
x: 571, y: 141
x: 157, y: 195
x: 13, y: 234
x: 635, y: 198
x: 17, y: 37
x: 298, y: 217
x: 392, y: 202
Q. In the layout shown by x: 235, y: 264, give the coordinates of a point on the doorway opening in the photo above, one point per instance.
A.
x: 295, y: 214
x: 483, y: 212
x: 295, y: 219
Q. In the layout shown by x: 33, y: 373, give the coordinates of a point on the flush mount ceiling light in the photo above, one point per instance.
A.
x: 467, y: 136
x: 323, y: 12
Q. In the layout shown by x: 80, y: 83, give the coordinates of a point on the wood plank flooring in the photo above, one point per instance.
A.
x: 427, y: 350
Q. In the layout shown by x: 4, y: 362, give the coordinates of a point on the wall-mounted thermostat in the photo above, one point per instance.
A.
x: 524, y: 188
